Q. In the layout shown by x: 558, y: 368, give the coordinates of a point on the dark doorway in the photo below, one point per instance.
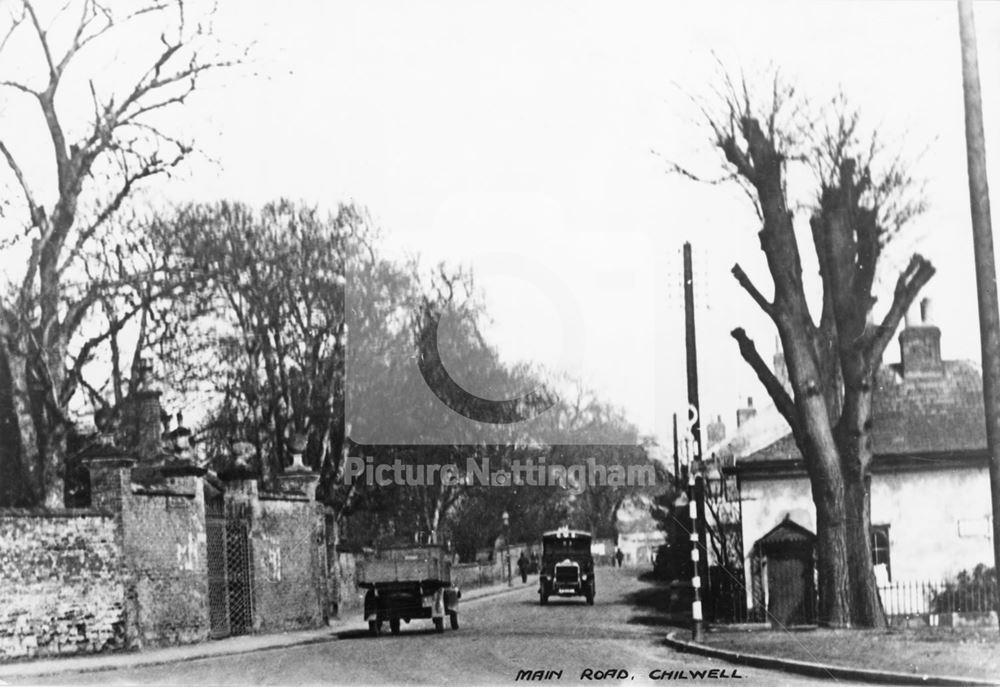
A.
x: 787, y: 552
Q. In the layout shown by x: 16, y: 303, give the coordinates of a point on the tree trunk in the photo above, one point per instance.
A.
x: 832, y: 536
x: 15, y: 489
x: 866, y: 607
x: 854, y: 442
x: 54, y: 446
x: 27, y: 434
x: 831, y: 560
x: 819, y: 450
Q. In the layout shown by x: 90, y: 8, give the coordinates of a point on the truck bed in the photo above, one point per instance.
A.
x: 413, y: 564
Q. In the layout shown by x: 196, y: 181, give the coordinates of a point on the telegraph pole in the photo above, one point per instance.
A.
x: 696, y: 481
x: 986, y: 273
x: 677, y: 458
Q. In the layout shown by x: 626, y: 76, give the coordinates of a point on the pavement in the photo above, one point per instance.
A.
x: 229, y: 646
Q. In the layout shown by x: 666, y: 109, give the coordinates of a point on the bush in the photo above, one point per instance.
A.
x: 968, y: 592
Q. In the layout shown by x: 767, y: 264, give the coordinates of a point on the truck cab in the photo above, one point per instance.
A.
x: 567, y: 567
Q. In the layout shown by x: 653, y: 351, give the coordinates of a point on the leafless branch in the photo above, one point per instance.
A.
x: 149, y: 168
x: 15, y: 22
x: 37, y: 215
x: 917, y: 273
x: 20, y: 86
x: 782, y: 401
x: 748, y: 286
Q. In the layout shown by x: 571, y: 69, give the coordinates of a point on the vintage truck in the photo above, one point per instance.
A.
x: 567, y: 565
x: 407, y: 582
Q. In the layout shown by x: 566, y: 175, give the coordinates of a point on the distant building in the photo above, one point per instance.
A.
x: 639, y: 536
x: 744, y: 415
x: 716, y: 431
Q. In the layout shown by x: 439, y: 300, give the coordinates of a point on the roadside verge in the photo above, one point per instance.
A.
x: 819, y: 669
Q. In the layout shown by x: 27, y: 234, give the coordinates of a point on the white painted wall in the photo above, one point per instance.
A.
x: 938, y: 519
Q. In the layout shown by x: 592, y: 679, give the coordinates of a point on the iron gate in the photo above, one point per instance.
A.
x: 239, y: 582
x: 230, y: 581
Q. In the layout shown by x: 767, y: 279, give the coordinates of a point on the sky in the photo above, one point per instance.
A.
x: 530, y: 140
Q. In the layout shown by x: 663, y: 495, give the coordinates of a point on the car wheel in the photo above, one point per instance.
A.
x: 394, y: 626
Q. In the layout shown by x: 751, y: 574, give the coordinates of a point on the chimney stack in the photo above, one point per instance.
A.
x: 716, y: 430
x: 926, y: 312
x: 745, y: 414
x: 920, y: 344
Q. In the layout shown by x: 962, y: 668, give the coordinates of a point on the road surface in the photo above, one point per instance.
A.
x: 500, y: 636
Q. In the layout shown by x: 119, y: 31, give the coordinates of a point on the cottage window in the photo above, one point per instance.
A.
x: 880, y: 548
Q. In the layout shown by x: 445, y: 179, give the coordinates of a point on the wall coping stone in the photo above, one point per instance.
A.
x: 183, y: 469
x: 236, y: 474
x: 11, y: 513
x: 143, y: 491
x: 280, y: 496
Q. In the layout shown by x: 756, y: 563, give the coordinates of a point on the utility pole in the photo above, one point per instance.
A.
x: 677, y: 458
x: 982, y: 241
x: 696, y: 481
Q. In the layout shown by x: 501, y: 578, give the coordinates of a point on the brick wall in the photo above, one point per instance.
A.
x: 472, y: 575
x: 287, y: 545
x: 61, y: 584
x: 165, y: 555
x: 134, y: 573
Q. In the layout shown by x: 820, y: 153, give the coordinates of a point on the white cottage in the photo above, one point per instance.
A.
x: 930, y: 491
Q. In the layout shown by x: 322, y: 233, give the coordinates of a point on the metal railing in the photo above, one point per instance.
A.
x: 918, y: 597
x: 900, y: 599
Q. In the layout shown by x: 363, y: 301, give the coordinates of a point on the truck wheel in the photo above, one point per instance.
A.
x: 454, y: 620
x: 439, y: 624
x: 373, y: 627
x: 394, y: 626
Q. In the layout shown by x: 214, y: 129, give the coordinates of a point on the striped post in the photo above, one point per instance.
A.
x: 697, y: 622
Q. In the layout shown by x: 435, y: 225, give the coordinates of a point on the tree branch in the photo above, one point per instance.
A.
x: 19, y: 86
x: 782, y: 401
x: 150, y: 168
x: 37, y: 215
x: 14, y: 24
x: 738, y: 158
x: 908, y: 286
x: 748, y: 286
x: 43, y: 40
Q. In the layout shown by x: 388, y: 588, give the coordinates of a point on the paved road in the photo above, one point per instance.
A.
x: 499, y: 636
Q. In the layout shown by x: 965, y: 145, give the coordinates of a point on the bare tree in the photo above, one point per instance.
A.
x: 276, y: 278
x: 863, y: 198
x: 121, y: 146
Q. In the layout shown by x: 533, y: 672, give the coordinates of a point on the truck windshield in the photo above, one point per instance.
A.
x: 556, y: 546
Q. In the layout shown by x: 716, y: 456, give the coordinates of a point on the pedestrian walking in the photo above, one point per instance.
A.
x: 522, y: 567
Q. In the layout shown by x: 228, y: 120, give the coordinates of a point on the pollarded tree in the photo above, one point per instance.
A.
x: 863, y: 198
